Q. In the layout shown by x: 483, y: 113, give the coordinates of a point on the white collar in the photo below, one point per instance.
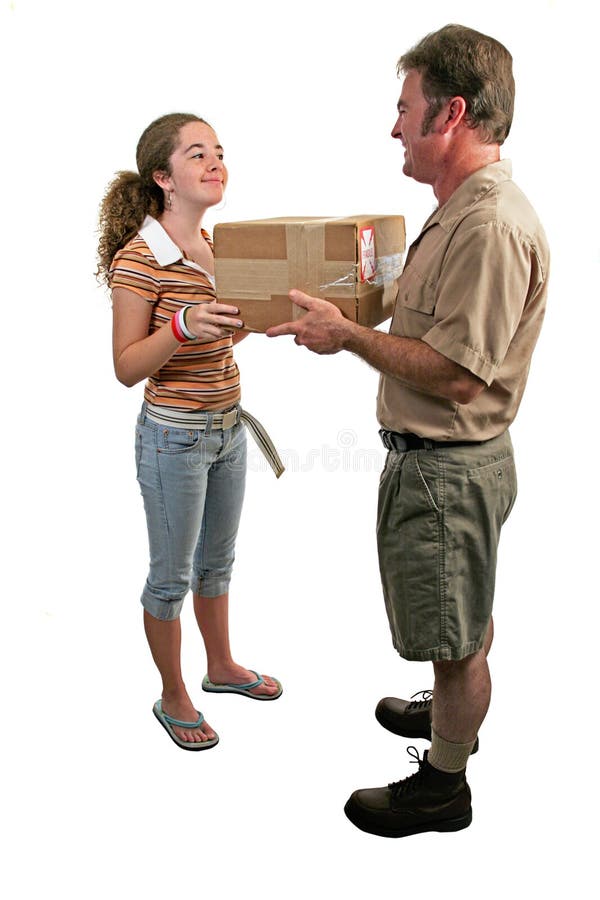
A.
x: 164, y: 249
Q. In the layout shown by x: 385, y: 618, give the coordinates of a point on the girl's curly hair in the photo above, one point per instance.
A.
x: 131, y: 196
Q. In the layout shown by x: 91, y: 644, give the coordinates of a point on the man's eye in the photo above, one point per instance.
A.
x: 198, y: 156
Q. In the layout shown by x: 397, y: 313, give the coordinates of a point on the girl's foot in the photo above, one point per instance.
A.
x: 234, y: 674
x: 181, y: 707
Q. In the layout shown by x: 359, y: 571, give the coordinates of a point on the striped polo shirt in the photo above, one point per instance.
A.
x: 199, y: 375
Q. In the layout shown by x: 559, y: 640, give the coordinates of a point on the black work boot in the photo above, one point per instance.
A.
x: 409, y: 718
x: 429, y: 800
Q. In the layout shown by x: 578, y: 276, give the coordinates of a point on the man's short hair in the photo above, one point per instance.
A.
x: 459, y: 62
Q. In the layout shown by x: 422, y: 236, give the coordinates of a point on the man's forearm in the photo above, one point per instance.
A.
x: 414, y: 362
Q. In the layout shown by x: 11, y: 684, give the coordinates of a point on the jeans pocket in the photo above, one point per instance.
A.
x: 178, y: 440
x: 138, y: 451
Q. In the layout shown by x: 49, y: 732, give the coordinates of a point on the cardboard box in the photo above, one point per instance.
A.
x: 354, y: 262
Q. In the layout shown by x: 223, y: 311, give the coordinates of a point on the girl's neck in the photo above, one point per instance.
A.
x: 184, y: 228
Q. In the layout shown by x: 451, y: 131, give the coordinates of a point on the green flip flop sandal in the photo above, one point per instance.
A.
x: 207, y: 685
x: 168, y: 721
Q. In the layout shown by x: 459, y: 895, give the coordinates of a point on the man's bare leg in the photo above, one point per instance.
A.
x: 461, y: 698
x: 461, y: 694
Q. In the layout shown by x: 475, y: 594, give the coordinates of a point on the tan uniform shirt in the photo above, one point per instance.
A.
x: 474, y: 289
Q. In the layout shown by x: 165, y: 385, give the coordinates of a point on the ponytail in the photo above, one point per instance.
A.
x: 126, y: 204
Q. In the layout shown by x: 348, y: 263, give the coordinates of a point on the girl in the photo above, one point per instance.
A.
x: 190, y: 438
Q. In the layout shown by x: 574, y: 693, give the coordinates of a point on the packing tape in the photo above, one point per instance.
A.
x: 305, y: 269
x: 257, y: 278
x: 387, y: 269
x: 305, y: 251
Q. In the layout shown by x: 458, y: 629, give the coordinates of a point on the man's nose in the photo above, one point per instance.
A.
x: 397, y: 129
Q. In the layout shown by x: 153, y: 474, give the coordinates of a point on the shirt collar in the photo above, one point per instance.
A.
x: 164, y: 250
x: 470, y: 191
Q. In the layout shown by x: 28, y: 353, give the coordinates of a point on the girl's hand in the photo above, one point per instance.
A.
x: 211, y: 321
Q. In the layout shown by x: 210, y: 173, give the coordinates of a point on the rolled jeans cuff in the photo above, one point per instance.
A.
x: 165, y: 610
x: 213, y: 586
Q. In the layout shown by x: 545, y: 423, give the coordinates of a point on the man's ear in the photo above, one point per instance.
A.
x: 456, y: 110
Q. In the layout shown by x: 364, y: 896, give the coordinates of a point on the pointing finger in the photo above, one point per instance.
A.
x: 286, y: 328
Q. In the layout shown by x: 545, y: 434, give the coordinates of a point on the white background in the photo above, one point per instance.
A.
x: 98, y: 801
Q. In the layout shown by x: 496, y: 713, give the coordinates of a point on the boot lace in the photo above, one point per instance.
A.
x: 412, y: 783
x: 420, y: 704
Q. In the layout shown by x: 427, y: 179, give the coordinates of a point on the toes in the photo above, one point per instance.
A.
x: 269, y: 686
x: 193, y: 736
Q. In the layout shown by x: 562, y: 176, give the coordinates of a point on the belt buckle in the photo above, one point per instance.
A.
x: 385, y: 439
x: 230, y: 419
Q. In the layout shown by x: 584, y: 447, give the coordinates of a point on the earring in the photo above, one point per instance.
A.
x: 169, y: 201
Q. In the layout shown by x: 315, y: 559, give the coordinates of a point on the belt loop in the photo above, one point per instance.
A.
x: 428, y: 445
x: 209, y: 422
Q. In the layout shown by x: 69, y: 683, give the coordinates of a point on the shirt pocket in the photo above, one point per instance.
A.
x: 415, y: 305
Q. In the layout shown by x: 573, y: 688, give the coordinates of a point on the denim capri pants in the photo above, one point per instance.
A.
x: 192, y: 483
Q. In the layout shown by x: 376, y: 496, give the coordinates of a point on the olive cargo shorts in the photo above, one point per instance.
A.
x: 438, y: 525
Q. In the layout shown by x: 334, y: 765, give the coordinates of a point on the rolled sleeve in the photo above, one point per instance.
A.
x: 482, y: 290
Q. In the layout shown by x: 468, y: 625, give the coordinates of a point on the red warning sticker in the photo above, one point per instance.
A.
x: 366, y: 250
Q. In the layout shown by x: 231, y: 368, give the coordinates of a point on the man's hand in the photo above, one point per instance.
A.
x: 323, y: 329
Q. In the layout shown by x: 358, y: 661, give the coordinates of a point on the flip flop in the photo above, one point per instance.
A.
x: 167, y: 721
x: 207, y: 685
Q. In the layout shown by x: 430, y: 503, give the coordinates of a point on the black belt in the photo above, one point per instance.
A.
x: 393, y: 440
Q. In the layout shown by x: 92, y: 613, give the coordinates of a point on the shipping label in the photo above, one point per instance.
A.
x: 367, y: 261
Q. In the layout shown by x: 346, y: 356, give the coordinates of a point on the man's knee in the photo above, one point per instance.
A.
x: 447, y: 669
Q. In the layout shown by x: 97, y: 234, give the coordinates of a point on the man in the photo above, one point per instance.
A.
x: 453, y: 369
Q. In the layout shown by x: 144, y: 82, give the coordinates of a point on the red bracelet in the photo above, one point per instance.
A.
x: 177, y: 330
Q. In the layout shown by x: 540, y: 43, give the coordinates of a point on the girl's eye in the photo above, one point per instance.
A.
x: 201, y: 155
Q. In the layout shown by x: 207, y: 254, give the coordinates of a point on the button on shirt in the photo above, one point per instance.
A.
x: 473, y: 288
